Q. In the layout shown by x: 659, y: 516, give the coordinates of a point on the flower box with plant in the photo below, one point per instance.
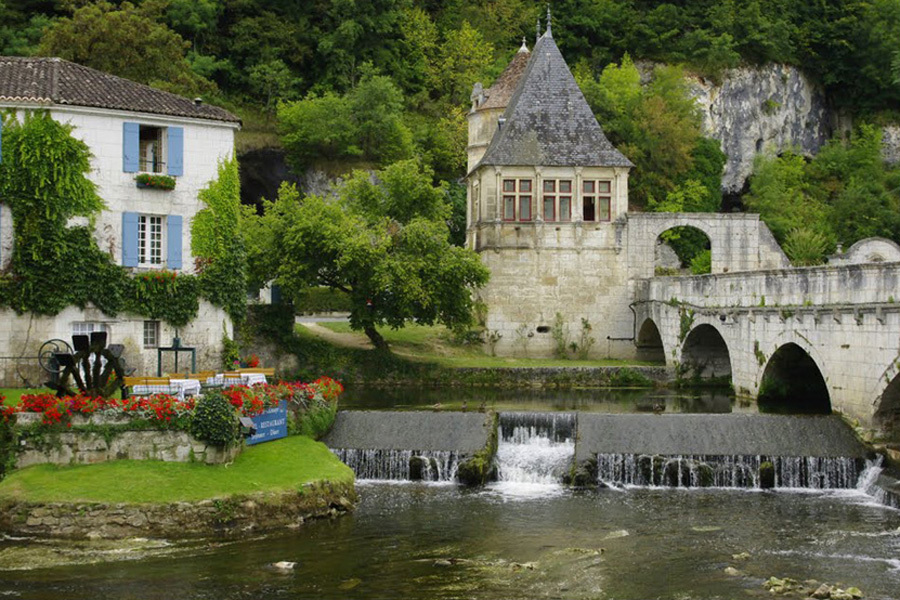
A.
x: 156, y: 182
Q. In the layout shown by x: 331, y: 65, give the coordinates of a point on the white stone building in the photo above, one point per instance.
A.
x: 130, y: 129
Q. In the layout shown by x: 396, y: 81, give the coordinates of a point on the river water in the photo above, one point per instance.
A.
x: 525, y: 536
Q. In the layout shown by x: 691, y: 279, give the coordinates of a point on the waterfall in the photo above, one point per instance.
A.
x: 535, y: 448
x: 400, y: 465
x: 868, y: 484
x: 807, y: 472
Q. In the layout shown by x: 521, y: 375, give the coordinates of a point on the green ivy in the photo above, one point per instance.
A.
x: 217, y: 244
x: 166, y: 296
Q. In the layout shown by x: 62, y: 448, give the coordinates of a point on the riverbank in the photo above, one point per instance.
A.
x: 268, y: 487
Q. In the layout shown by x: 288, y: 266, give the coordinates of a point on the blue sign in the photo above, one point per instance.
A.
x: 271, y: 424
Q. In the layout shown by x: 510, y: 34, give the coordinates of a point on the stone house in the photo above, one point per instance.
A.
x: 130, y: 129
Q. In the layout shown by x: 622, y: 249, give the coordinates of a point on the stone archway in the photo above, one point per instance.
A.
x: 792, y: 382
x: 649, y: 343
x: 682, y: 249
x: 887, y: 415
x: 705, y: 355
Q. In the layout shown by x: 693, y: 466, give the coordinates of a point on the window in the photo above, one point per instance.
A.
x: 152, y: 149
x: 596, y: 200
x: 517, y: 199
x: 150, y: 240
x: 88, y: 327
x: 558, y: 199
x: 151, y: 334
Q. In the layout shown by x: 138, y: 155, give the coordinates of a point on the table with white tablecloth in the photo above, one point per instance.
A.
x: 176, y: 387
x: 222, y: 380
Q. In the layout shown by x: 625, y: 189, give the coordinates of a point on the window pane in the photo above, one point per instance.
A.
x: 142, y: 239
x: 156, y: 240
x: 589, y: 212
x: 151, y: 334
x: 604, y: 208
x: 525, y: 185
x: 565, y: 187
x: 549, y: 185
x: 549, y: 208
x: 565, y: 208
x: 509, y: 185
x: 509, y: 208
x: 588, y: 187
x: 603, y: 187
x: 524, y: 208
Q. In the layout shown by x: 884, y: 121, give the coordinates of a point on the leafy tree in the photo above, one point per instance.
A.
x: 383, y: 241
x: 367, y: 122
x: 464, y: 58
x: 273, y: 80
x: 20, y: 31
x: 126, y: 41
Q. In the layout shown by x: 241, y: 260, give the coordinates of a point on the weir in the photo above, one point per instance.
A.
x: 673, y: 450
x: 535, y: 448
x: 413, y: 445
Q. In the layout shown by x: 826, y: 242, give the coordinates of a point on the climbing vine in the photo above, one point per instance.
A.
x: 44, y: 181
x: 217, y: 244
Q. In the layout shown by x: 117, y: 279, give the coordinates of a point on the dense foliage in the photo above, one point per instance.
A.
x: 383, y: 240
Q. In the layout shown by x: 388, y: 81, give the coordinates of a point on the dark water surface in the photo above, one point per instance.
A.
x: 507, y: 542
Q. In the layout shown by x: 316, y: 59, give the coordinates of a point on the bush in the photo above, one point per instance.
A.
x: 215, y: 421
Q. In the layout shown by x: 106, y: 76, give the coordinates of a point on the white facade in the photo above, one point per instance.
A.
x: 206, y: 143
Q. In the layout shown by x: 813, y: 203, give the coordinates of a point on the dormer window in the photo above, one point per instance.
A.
x: 152, y: 157
x: 517, y: 199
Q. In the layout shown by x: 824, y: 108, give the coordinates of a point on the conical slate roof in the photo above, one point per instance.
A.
x: 498, y: 95
x: 548, y: 122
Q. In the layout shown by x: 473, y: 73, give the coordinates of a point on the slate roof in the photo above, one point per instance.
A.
x: 548, y: 122
x: 54, y: 81
x: 499, y: 94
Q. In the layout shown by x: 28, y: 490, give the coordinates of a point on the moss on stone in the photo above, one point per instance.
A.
x: 479, y: 469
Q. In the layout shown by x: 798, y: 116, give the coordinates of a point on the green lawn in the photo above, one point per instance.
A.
x: 435, y: 344
x: 276, y: 466
x: 14, y: 395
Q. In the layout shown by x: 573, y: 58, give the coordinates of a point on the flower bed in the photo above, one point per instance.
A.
x: 156, y: 182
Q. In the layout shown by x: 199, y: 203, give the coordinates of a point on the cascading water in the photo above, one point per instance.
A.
x: 400, y: 465
x: 806, y: 472
x: 535, y: 448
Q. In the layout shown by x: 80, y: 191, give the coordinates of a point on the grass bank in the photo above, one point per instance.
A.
x: 14, y: 395
x: 273, y: 467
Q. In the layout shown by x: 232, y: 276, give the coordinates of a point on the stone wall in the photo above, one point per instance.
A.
x: 86, y: 447
x: 233, y: 516
x: 21, y: 337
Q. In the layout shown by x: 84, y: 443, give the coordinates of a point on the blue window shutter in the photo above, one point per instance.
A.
x: 176, y: 151
x: 131, y: 146
x: 173, y: 242
x: 276, y: 293
x: 129, y: 239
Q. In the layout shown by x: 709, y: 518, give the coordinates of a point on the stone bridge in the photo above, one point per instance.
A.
x: 818, y: 337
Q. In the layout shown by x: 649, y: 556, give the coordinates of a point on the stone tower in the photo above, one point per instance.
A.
x: 545, y: 193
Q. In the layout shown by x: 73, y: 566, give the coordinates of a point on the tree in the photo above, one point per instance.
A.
x: 273, y: 80
x: 383, y: 241
x: 126, y: 41
x: 464, y: 58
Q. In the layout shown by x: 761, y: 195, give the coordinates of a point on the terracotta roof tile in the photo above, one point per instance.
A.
x: 56, y: 81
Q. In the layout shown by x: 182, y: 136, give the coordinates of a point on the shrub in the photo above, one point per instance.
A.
x: 215, y: 421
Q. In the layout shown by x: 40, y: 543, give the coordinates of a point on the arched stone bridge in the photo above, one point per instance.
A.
x: 782, y: 328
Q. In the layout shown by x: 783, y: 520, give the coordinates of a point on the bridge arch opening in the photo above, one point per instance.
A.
x: 705, y: 355
x: 887, y: 417
x: 792, y: 383
x: 683, y: 249
x: 649, y: 343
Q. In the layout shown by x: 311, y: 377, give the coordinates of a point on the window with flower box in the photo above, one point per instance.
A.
x: 596, y: 199
x: 517, y: 199
x: 557, y: 200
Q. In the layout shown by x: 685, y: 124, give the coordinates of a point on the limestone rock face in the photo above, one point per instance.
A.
x: 890, y: 140
x: 771, y: 108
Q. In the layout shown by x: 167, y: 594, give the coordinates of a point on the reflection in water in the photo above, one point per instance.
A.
x: 424, y: 541
x: 500, y: 399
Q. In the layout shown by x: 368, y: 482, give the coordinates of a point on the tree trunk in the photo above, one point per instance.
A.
x: 377, y: 341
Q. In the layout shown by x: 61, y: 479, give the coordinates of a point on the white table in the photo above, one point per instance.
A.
x: 177, y: 387
x: 245, y: 379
